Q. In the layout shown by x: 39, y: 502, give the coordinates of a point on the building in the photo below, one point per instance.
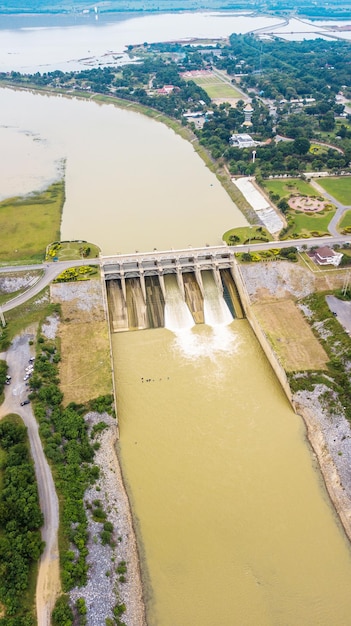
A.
x: 327, y: 256
x: 242, y: 141
x: 167, y: 89
x: 248, y: 111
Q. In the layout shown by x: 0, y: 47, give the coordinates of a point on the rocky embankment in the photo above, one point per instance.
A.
x: 104, y: 589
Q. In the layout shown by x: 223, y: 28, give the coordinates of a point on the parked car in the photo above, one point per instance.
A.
x: 25, y: 402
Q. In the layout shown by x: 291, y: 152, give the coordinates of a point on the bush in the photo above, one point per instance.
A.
x: 62, y: 614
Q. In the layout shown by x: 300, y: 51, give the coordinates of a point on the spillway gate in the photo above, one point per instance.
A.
x: 138, y: 285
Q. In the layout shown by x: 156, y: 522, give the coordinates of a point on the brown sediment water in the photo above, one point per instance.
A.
x: 234, y: 522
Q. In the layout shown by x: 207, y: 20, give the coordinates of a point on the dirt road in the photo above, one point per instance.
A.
x: 48, y: 583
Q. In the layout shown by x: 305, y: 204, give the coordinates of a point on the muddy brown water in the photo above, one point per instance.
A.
x: 234, y: 523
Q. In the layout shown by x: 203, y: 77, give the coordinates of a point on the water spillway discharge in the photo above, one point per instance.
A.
x: 177, y: 313
x: 216, y: 310
x: 171, y: 297
x: 116, y: 306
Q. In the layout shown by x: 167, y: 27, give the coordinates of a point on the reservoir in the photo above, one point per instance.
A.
x: 233, y: 520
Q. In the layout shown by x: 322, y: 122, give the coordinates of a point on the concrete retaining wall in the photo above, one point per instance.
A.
x: 261, y: 336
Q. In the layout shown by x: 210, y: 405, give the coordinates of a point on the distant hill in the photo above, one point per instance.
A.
x: 59, y: 6
x: 332, y: 9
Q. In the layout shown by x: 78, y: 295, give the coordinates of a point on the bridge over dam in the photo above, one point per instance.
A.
x: 173, y: 288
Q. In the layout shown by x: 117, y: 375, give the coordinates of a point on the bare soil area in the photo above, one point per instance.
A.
x: 85, y: 368
x: 279, y: 280
x: 291, y: 336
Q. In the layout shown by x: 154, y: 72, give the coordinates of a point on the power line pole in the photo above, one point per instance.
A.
x: 345, y: 286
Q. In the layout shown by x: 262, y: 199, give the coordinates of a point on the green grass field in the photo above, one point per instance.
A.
x: 216, y: 88
x: 346, y: 220
x: 244, y: 234
x: 339, y: 188
x: 72, y: 250
x: 308, y: 223
x: 285, y: 187
x: 29, y: 223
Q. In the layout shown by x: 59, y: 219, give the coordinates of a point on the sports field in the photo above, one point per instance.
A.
x: 338, y: 187
x: 215, y: 87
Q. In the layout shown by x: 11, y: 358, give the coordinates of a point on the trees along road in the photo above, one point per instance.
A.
x: 48, y: 583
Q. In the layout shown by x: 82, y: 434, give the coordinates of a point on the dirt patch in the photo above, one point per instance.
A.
x: 279, y: 280
x: 291, y: 336
x: 307, y: 204
x: 14, y: 281
x: 85, y: 368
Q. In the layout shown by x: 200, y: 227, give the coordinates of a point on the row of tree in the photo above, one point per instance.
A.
x: 20, y: 523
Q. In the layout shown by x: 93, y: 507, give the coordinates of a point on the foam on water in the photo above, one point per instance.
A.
x: 212, y: 344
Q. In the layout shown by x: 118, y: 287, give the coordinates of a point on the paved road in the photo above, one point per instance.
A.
x: 342, y: 311
x: 48, y: 583
x: 50, y: 272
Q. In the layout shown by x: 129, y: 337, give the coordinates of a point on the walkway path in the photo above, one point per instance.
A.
x: 48, y: 582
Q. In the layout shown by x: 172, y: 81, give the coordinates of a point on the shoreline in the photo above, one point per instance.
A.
x: 338, y: 491
x: 104, y: 589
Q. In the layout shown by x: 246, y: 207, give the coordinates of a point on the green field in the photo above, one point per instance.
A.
x: 307, y: 223
x: 72, y: 250
x: 246, y: 234
x: 285, y: 187
x: 339, y: 188
x: 215, y: 87
x: 29, y: 223
x: 346, y: 220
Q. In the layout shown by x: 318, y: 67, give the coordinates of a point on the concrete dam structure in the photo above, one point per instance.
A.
x: 173, y: 289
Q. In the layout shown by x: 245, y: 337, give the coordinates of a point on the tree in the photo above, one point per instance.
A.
x: 301, y: 145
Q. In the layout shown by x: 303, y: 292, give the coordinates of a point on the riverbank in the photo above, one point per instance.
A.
x: 104, y: 588
x: 185, y: 132
x: 327, y: 430
x: 330, y: 438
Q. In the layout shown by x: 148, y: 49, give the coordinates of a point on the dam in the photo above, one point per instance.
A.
x: 142, y: 288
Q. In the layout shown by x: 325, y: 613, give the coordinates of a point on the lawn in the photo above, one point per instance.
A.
x: 244, y: 234
x: 72, y: 250
x: 29, y: 223
x: 216, y: 88
x: 309, y: 224
x: 346, y: 220
x: 339, y: 188
x: 285, y: 187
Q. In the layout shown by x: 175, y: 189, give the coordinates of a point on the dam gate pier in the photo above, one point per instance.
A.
x: 140, y: 286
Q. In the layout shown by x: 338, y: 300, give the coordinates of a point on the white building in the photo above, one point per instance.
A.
x: 327, y: 256
x: 242, y: 141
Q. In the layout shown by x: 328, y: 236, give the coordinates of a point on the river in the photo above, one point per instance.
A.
x: 234, y: 523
